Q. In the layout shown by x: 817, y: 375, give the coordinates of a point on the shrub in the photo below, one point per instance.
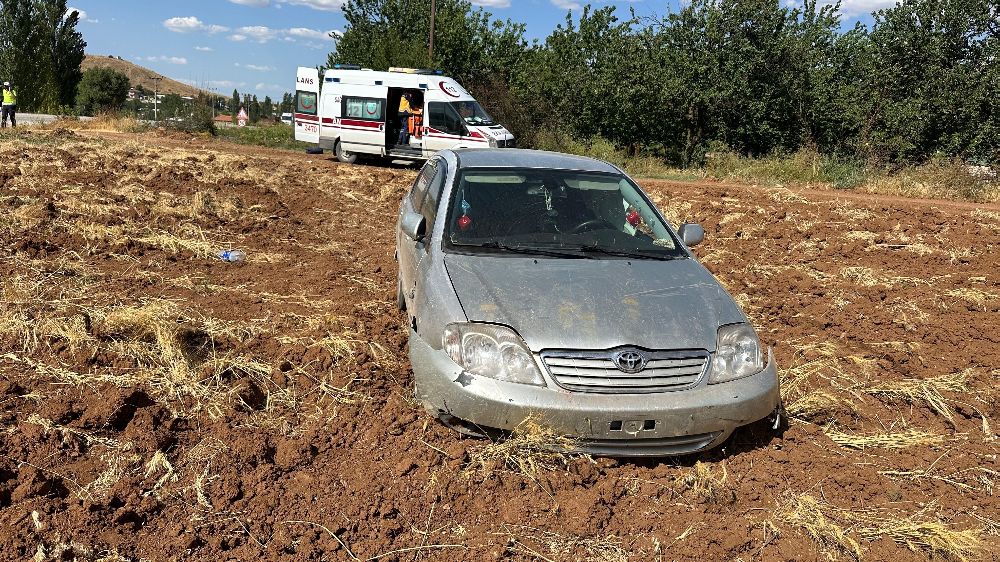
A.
x: 101, y: 90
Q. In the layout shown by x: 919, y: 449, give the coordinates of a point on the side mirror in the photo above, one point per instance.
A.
x: 691, y: 234
x: 414, y: 226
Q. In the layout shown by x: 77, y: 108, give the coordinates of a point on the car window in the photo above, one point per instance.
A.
x: 562, y: 210
x: 443, y: 117
x: 420, y: 185
x: 430, y: 203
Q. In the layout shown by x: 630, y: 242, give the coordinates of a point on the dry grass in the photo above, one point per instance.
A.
x: 106, y: 122
x: 822, y: 523
x: 710, y: 486
x: 928, y: 391
x: 974, y: 296
x: 888, y: 440
x: 549, y: 546
x: 531, y: 449
x: 835, y: 529
x: 821, y: 381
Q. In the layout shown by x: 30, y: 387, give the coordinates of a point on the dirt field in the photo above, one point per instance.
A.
x: 158, y: 404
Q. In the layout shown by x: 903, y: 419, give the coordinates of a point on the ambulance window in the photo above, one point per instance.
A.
x: 305, y: 102
x: 443, y: 117
x: 368, y: 109
x: 420, y: 186
x: 430, y: 204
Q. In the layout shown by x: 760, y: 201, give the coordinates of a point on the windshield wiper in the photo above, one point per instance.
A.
x: 595, y: 249
x: 496, y: 244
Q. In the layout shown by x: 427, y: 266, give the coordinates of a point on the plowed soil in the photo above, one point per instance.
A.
x: 159, y: 404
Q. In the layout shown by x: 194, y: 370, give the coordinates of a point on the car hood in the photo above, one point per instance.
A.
x: 595, y: 303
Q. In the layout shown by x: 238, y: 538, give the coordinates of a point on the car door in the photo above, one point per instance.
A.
x: 423, y: 252
x: 406, y: 249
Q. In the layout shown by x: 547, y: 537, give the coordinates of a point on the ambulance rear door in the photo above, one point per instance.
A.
x: 306, y: 116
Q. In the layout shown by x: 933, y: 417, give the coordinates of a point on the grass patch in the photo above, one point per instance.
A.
x: 529, y: 450
x: 804, y: 167
x: 270, y: 136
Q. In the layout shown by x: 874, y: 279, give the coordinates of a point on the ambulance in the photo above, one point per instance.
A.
x: 354, y: 111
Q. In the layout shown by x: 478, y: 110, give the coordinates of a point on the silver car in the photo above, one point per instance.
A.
x: 548, y: 286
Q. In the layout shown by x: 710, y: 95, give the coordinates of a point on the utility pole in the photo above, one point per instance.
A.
x: 156, y: 98
x: 430, y: 47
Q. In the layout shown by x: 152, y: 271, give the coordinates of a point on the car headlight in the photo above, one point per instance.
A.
x: 491, y: 351
x: 493, y: 142
x: 737, y: 354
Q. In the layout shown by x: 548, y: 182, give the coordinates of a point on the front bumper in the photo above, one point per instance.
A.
x: 668, y: 423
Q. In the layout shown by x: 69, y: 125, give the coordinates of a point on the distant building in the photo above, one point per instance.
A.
x: 223, y: 120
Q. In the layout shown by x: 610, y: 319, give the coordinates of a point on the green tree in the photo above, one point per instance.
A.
x: 253, y: 109
x: 42, y: 52
x: 934, y: 83
x: 234, y: 105
x: 267, y: 108
x: 469, y: 45
x: 101, y: 90
x: 63, y: 47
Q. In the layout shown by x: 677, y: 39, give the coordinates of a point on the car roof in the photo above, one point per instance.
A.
x: 520, y: 158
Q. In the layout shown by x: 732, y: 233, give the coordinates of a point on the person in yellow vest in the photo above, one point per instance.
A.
x: 9, y: 108
x: 405, y: 110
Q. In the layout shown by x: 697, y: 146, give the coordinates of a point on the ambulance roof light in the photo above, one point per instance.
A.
x: 339, y: 66
x: 415, y: 70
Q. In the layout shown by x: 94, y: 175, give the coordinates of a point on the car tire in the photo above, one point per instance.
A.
x: 345, y: 156
x: 400, y: 299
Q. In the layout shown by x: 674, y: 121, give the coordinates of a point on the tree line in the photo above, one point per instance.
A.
x: 41, y: 52
x: 756, y: 76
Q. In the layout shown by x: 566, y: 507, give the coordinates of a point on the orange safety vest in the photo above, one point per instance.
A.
x: 415, y: 125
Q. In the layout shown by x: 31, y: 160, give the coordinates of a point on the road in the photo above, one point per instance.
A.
x: 40, y: 118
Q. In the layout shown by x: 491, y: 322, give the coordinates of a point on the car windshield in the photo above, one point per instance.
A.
x: 556, y: 212
x: 472, y: 112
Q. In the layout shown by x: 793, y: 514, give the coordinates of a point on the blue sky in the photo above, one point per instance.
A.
x: 255, y: 45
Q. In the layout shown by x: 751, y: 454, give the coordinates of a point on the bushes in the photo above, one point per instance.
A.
x: 102, y: 90
x: 198, y: 120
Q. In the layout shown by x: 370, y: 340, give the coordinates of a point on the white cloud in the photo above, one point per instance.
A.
x: 257, y: 67
x: 82, y: 14
x: 254, y: 3
x: 323, y: 5
x: 566, y: 4
x: 191, y: 24
x: 492, y: 3
x: 204, y: 49
x: 264, y: 34
x: 268, y: 87
x: 258, y: 33
x: 306, y: 33
x: 171, y: 60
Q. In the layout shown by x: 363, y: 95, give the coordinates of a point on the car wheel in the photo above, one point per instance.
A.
x: 345, y: 156
x: 400, y: 299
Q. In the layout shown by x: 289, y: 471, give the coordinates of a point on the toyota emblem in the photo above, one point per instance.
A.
x: 629, y: 361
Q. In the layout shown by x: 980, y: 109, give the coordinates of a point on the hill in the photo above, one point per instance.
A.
x: 141, y: 76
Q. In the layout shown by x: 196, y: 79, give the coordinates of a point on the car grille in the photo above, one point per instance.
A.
x: 596, y: 371
x: 509, y: 143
